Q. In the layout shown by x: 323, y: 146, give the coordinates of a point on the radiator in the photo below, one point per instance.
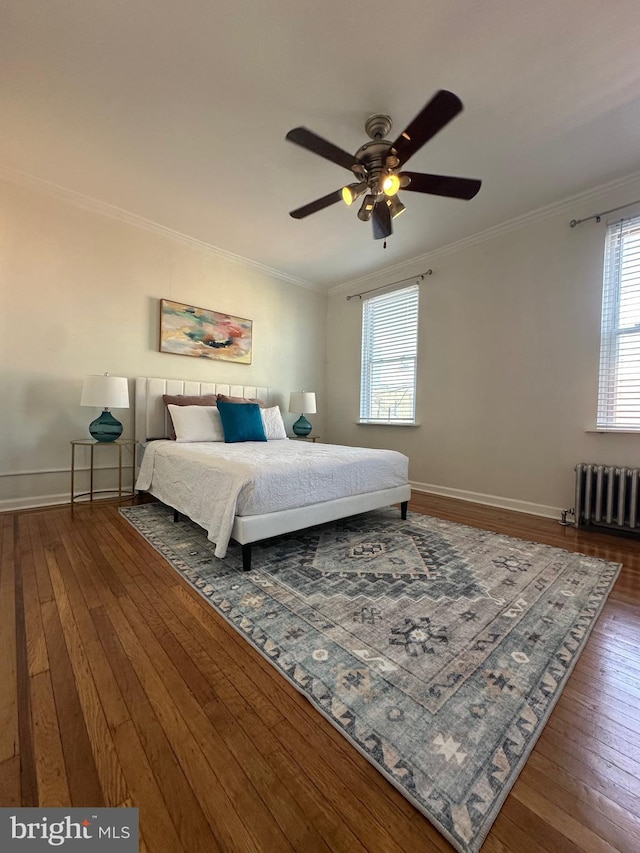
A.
x: 607, y: 496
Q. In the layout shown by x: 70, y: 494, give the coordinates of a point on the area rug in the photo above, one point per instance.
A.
x: 437, y: 649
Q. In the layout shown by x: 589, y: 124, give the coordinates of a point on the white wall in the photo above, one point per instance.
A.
x: 509, y: 346
x: 508, y: 364
x: 79, y: 294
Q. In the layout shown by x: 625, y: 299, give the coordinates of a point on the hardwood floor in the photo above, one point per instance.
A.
x: 121, y: 686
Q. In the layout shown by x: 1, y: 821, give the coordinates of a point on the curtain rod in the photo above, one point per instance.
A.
x: 419, y: 277
x: 598, y: 216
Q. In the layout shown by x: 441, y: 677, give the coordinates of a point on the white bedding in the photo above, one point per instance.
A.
x: 211, y: 482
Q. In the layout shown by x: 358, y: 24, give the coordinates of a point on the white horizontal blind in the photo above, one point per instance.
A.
x: 389, y: 357
x: 619, y: 388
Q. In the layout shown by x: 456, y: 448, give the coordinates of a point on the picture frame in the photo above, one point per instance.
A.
x: 204, y: 333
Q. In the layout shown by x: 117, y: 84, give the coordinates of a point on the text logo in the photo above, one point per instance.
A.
x: 30, y: 830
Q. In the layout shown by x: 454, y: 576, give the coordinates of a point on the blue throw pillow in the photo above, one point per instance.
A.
x: 241, y: 422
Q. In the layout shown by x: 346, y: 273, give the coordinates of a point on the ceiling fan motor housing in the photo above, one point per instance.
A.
x: 373, y: 156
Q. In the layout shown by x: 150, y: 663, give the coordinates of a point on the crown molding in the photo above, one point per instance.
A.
x: 103, y: 208
x: 111, y: 211
x: 523, y: 221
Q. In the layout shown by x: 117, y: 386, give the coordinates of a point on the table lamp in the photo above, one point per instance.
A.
x: 299, y: 403
x: 107, y: 392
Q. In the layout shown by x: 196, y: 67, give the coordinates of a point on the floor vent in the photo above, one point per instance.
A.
x: 607, y: 496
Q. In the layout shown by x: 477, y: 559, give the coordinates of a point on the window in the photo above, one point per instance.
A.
x: 389, y: 357
x: 619, y: 388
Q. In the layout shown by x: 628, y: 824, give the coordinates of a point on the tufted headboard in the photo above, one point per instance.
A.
x: 151, y: 415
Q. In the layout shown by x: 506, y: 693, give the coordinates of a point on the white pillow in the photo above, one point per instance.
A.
x: 273, y: 423
x: 196, y: 423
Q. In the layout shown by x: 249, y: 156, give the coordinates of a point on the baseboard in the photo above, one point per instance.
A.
x: 34, y: 502
x: 490, y: 500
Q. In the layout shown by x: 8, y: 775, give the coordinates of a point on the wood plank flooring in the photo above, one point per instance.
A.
x: 119, y: 685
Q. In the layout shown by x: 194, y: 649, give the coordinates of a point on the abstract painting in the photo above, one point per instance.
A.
x: 202, y: 333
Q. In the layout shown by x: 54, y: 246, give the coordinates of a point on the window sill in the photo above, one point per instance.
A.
x: 603, y: 430
x: 387, y: 423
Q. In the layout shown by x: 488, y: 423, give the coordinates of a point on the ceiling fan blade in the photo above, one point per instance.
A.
x: 316, y: 144
x: 381, y: 220
x: 433, y: 117
x: 465, y: 188
x: 318, y: 204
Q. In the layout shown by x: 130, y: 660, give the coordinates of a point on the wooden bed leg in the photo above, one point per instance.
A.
x: 403, y: 510
x: 246, y: 558
x: 176, y: 516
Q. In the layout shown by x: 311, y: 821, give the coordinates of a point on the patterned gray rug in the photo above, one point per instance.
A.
x: 438, y: 650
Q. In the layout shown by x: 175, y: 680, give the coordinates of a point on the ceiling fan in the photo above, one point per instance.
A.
x: 376, y: 165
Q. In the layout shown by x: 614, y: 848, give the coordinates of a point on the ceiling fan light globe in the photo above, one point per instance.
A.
x: 348, y: 196
x: 351, y: 192
x: 396, y: 207
x: 366, y: 210
x: 391, y: 185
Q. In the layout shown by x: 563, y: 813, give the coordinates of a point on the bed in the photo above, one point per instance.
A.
x: 255, y: 490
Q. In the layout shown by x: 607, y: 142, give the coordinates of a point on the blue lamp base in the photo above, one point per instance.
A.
x: 302, y: 426
x: 105, y: 427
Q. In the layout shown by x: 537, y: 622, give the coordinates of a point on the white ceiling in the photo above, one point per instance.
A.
x: 177, y: 112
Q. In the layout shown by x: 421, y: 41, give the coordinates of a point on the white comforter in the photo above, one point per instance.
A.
x: 211, y: 482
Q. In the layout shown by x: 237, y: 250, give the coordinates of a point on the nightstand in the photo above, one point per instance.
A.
x: 312, y: 438
x: 117, y: 494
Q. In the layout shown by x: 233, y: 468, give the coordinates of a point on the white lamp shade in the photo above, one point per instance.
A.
x: 107, y: 392
x: 302, y: 402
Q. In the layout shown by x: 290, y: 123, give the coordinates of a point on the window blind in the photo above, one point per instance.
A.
x: 389, y: 357
x: 619, y: 386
